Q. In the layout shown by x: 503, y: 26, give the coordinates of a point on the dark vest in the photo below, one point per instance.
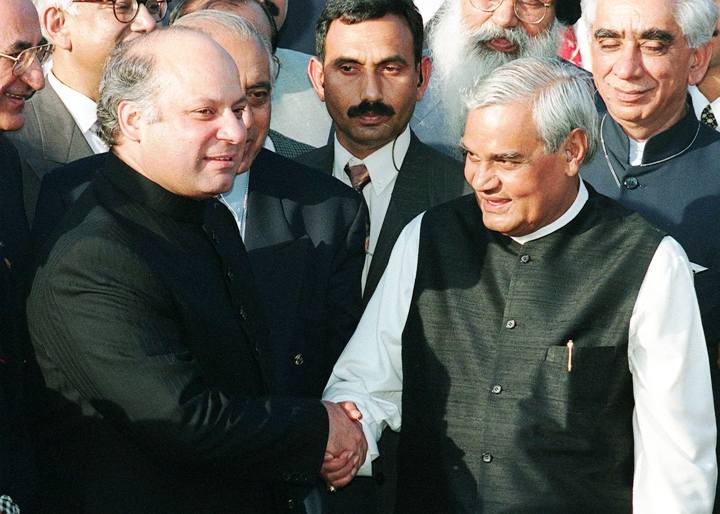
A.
x: 493, y: 421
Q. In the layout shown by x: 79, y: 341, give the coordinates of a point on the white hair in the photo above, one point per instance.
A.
x: 697, y: 19
x: 237, y: 26
x: 560, y: 94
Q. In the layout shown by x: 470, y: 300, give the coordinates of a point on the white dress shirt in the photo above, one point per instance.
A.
x: 236, y: 200
x: 383, y: 165
x: 700, y: 102
x: 673, y: 420
x: 82, y: 109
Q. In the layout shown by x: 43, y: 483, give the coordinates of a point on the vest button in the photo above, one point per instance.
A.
x: 487, y: 457
x: 230, y: 275
x: 496, y: 389
x: 291, y: 504
x: 525, y: 259
x: 510, y: 323
x: 631, y: 183
x: 299, y: 359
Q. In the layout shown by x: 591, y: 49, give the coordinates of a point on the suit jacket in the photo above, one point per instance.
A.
x: 305, y: 238
x: 426, y: 178
x: 49, y: 139
x: 288, y: 147
x: 154, y: 347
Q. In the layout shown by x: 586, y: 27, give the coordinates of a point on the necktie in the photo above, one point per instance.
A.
x: 359, y: 178
x: 708, y: 118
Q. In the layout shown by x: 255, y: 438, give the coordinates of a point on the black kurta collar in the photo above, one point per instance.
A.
x: 146, y: 192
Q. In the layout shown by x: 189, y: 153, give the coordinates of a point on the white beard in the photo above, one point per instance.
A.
x: 460, y: 57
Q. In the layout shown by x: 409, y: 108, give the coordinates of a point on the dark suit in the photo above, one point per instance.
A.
x: 426, y: 178
x: 154, y: 346
x: 17, y: 470
x: 305, y: 239
x: 288, y: 147
x: 49, y: 139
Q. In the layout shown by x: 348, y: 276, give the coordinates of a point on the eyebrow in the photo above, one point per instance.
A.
x: 21, y: 45
x: 506, y: 156
x: 392, y: 59
x: 651, y: 34
x: 261, y: 85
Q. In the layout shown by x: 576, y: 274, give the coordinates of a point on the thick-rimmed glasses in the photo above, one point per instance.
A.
x: 528, y: 11
x: 126, y: 10
x: 24, y: 59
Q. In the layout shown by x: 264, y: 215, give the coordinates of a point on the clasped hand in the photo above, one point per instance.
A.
x: 346, y: 447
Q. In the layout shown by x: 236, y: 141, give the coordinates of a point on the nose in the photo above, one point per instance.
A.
x: 248, y: 118
x: 33, y: 76
x: 372, y: 89
x: 629, y: 63
x: 232, y: 129
x: 143, y: 21
x: 504, y: 16
x: 481, y: 177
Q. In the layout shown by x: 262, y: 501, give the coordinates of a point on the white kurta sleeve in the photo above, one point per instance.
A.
x: 674, y: 421
x: 369, y: 371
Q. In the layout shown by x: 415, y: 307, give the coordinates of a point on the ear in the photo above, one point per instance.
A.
x: 425, y: 69
x: 317, y: 77
x: 54, y: 21
x: 699, y: 63
x: 573, y: 151
x: 130, y: 121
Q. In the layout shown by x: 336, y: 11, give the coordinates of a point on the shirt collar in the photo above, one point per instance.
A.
x: 81, y: 108
x: 563, y: 220
x: 383, y: 164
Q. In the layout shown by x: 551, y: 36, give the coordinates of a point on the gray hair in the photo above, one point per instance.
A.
x: 559, y: 93
x: 232, y: 24
x: 696, y: 18
x: 129, y: 76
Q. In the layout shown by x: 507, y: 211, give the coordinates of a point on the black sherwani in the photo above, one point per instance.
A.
x: 154, y: 348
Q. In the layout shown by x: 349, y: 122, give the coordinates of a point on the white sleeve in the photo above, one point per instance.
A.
x: 369, y: 371
x: 674, y: 419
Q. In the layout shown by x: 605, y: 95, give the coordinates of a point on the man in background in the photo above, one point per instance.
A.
x: 60, y: 121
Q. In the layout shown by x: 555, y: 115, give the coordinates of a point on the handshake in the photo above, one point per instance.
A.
x: 346, y: 447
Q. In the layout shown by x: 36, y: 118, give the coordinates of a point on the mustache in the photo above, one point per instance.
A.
x: 366, y: 107
x: 489, y: 31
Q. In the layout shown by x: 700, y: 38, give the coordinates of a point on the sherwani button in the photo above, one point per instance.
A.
x: 299, y: 359
x: 496, y: 389
x: 510, y: 323
x: 631, y: 183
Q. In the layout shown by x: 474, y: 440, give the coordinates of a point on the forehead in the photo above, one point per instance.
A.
x: 249, y: 55
x: 185, y: 80
x: 632, y: 18
x: 496, y: 129
x: 20, y: 25
x: 389, y: 34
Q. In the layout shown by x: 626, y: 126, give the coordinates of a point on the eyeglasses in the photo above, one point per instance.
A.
x: 24, y: 59
x: 528, y: 11
x: 125, y: 11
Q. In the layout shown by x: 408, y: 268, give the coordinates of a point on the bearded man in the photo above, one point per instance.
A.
x: 470, y: 38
